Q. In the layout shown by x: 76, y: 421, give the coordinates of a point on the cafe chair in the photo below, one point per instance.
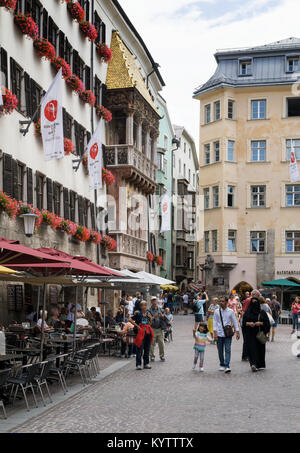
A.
x: 4, y: 375
x: 78, y: 363
x: 41, y: 380
x: 25, y: 381
x: 56, y: 373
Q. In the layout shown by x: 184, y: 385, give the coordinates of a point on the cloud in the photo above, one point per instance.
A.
x: 183, y: 37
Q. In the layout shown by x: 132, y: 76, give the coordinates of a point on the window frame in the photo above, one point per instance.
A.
x: 292, y: 239
x: 260, y: 237
x: 217, y: 151
x: 229, y: 149
x: 259, y: 109
x: 233, y: 109
x: 207, y: 114
x: 217, y: 110
x: 292, y: 193
x: 216, y: 197
x: 232, y: 195
x: 231, y: 237
x: 207, y: 159
x: 259, y: 149
x: 258, y: 195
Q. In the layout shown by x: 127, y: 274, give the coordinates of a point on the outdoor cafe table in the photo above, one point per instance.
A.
x: 60, y: 343
x: 10, y: 357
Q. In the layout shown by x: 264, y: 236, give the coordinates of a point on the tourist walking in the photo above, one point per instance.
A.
x: 142, y: 322
x: 185, y: 300
x: 225, y: 326
x: 245, y: 306
x: 157, y: 315
x: 201, y: 338
x: 295, y: 312
x: 257, y: 326
x: 199, y: 309
x: 276, y: 312
x: 210, y: 322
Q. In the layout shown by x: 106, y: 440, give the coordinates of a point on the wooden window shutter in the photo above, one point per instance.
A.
x: 76, y: 133
x: 104, y: 95
x: 29, y: 186
x: 15, y: 179
x: 7, y: 175
x: 87, y: 78
x: 45, y: 24
x: 88, y: 137
x: 80, y: 211
x: 103, y: 33
x: 66, y: 204
x: 27, y: 84
x: 61, y: 50
x: 87, y: 10
x: 13, y: 80
x: 81, y: 140
x: 93, y: 222
x: 49, y: 195
x: 28, y: 7
x: 75, y: 62
x: 3, y: 67
x: 72, y: 196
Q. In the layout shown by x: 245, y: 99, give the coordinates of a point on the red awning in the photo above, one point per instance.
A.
x: 81, y: 265
x: 12, y: 252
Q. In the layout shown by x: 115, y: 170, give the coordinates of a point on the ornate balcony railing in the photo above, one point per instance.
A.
x: 130, y: 245
x: 129, y: 156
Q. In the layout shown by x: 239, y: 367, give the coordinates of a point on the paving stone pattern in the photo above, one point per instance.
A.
x: 171, y: 398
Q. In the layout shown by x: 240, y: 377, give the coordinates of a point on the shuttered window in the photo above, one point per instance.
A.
x: 16, y: 73
x: 93, y: 221
x: 80, y: 210
x: 56, y: 198
x: 49, y: 195
x: 45, y: 24
x: 39, y: 191
x: 36, y: 12
x: 87, y: 79
x: 68, y: 51
x: 67, y: 122
x: 18, y: 178
x: 79, y: 138
x: 66, y: 204
x: 29, y: 186
x: 61, y: 48
x: 97, y: 90
x: 104, y: 95
x: 72, y: 206
x: 3, y: 68
x: 36, y: 96
x: 86, y: 206
x: 8, y: 175
x: 97, y: 24
x: 75, y: 62
x: 52, y: 32
x: 27, y: 83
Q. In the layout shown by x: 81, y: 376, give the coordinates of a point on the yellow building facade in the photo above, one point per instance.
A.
x: 249, y: 121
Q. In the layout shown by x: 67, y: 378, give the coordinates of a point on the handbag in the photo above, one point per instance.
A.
x: 261, y: 336
x: 228, y: 330
x: 271, y: 319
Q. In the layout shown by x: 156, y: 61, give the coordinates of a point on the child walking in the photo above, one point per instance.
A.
x: 201, y: 338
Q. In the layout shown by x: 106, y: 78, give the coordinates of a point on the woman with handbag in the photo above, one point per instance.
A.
x: 256, y: 325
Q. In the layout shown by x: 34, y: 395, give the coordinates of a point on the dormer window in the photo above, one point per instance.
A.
x: 245, y: 67
x: 293, y: 64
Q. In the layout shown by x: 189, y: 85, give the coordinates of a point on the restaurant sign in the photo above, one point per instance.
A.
x: 288, y: 272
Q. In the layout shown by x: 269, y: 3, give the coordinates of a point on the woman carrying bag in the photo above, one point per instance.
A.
x: 257, y: 325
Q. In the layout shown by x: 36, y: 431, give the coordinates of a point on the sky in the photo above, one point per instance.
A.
x: 183, y: 35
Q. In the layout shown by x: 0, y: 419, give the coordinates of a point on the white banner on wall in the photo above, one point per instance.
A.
x: 95, y: 159
x: 166, y: 213
x: 294, y: 171
x: 52, y: 120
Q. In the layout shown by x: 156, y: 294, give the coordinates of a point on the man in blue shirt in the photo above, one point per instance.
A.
x: 199, y: 313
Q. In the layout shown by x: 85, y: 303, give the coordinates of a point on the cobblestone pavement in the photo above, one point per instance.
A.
x: 171, y: 398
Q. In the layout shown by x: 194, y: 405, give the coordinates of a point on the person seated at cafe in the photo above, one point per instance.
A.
x: 39, y: 323
x: 120, y: 314
x: 110, y: 320
x: 63, y: 316
x: 55, y: 321
x: 32, y: 316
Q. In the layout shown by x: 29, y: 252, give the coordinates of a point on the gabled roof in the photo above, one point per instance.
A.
x: 123, y: 71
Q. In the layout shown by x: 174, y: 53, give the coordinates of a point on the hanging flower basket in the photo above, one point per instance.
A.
x: 88, y: 30
x: 109, y: 243
x: 150, y: 256
x: 44, y: 48
x: 9, y: 205
x: 27, y: 25
x: 75, y: 10
x: 58, y: 63
x: 88, y: 97
x: 104, y: 52
x: 75, y: 84
x: 102, y: 112
x: 158, y: 260
x: 108, y: 177
x: 9, y: 4
x: 10, y: 102
x: 95, y: 237
x: 68, y: 146
x: 37, y: 129
x: 82, y: 233
x: 85, y: 161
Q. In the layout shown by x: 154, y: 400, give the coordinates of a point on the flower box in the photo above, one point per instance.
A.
x: 68, y: 146
x: 104, y: 52
x: 88, y: 30
x: 9, y: 4
x: 27, y: 25
x: 108, y: 177
x: 44, y: 48
x: 37, y: 129
x: 150, y: 256
x: 75, y: 11
x: 10, y: 102
x: 75, y: 84
x: 88, y: 97
x: 59, y: 63
x: 102, y: 112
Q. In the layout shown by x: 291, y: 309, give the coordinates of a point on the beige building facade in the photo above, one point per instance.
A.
x: 249, y: 122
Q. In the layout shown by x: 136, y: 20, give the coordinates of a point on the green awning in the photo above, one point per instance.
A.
x: 283, y: 282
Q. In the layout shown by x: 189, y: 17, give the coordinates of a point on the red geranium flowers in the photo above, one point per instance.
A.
x: 104, y: 52
x: 27, y: 25
x: 44, y: 48
x: 10, y: 102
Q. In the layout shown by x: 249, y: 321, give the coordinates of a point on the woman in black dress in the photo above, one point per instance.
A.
x: 255, y: 320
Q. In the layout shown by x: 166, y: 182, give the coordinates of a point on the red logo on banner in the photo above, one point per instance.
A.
x: 165, y: 207
x: 94, y: 151
x: 293, y: 159
x: 51, y: 111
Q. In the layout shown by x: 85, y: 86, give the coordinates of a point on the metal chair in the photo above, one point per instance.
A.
x: 4, y: 375
x: 78, y: 363
x: 41, y: 379
x: 56, y: 373
x: 25, y: 381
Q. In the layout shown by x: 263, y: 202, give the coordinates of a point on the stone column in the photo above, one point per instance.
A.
x: 129, y: 129
x: 148, y: 150
x: 139, y: 135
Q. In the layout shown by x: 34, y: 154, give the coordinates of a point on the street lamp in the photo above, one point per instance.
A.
x: 29, y: 224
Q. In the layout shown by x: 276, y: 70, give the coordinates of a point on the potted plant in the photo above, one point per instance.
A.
x: 58, y: 62
x: 88, y: 30
x: 75, y: 84
x: 44, y: 48
x: 9, y: 4
x: 27, y: 25
x: 10, y: 102
x: 102, y: 112
x: 75, y: 11
x: 150, y: 256
x: 88, y: 97
x: 108, y: 177
x: 104, y: 52
x: 37, y: 128
x: 68, y: 146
